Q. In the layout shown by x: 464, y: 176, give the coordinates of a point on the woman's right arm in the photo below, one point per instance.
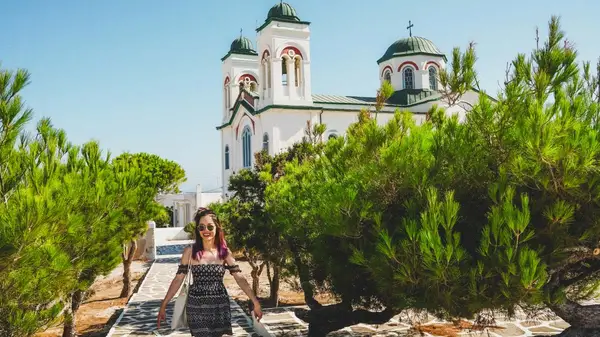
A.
x: 177, y: 280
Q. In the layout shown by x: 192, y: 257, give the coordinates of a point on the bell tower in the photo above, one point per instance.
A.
x: 284, y: 49
x: 240, y: 71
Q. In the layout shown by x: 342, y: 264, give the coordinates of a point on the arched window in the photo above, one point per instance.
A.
x: 246, y: 147
x: 297, y: 70
x: 433, y: 84
x: 387, y: 76
x: 332, y: 136
x: 227, y: 157
x: 266, y: 70
x: 264, y: 73
x: 409, y: 78
x: 284, y: 74
x: 266, y: 142
x: 253, y: 87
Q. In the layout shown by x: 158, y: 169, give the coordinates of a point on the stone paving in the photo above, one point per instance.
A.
x: 139, y: 317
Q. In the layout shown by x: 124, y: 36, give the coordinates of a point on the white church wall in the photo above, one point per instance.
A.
x: 289, y: 125
x: 163, y: 236
x: 228, y: 139
x: 337, y: 122
x: 465, y: 104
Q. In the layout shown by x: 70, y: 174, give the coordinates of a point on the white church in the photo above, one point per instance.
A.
x: 267, y: 96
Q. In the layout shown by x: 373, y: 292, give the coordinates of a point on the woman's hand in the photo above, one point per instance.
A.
x: 257, y: 311
x: 162, y: 316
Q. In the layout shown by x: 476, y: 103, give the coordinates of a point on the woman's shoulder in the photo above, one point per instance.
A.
x: 187, y: 253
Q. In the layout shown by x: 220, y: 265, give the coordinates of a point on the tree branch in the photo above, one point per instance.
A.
x: 580, y: 254
x: 337, y: 316
x: 577, y: 315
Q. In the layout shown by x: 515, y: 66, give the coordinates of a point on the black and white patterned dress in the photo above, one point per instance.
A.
x: 208, y: 310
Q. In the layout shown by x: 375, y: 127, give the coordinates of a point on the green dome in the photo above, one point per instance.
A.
x: 283, y: 11
x: 410, y: 46
x: 242, y: 45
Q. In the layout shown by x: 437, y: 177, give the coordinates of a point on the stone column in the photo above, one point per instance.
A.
x: 306, y: 86
x: 291, y: 78
x: 276, y: 80
x: 150, y: 251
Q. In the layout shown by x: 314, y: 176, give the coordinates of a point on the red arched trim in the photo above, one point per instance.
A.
x: 432, y: 63
x: 250, y: 77
x: 237, y: 128
x: 387, y: 68
x: 226, y: 80
x: 296, y: 51
x: 265, y: 54
x: 408, y: 63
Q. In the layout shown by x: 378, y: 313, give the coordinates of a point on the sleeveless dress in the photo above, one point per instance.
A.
x: 208, y: 310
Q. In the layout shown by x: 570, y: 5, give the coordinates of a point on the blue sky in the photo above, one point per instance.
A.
x: 145, y: 75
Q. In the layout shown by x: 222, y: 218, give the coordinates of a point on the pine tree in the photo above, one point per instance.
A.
x: 496, y: 213
x: 65, y: 213
x: 33, y: 267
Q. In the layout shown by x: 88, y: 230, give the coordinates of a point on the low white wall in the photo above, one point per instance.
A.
x: 165, y: 235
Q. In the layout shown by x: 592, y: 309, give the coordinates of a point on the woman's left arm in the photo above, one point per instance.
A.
x: 236, y: 272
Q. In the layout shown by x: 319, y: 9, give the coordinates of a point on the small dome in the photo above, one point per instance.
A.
x: 283, y: 11
x: 242, y: 45
x: 410, y: 46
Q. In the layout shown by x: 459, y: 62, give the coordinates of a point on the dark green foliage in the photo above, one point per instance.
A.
x: 497, y: 212
x: 159, y: 173
x: 250, y: 229
x: 189, y: 228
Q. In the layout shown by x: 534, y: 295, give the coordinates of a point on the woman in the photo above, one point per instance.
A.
x: 207, y: 309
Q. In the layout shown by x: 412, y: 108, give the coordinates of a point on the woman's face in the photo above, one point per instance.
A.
x: 207, y: 228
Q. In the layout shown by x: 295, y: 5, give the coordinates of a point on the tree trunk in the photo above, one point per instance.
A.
x: 256, y: 269
x: 127, y: 256
x: 304, y: 275
x: 577, y: 315
x: 274, y: 288
x: 254, y: 274
x: 69, y: 324
x: 269, y: 274
x: 338, y: 316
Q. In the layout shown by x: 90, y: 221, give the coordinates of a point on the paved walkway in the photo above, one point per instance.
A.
x: 139, y: 317
x: 283, y: 322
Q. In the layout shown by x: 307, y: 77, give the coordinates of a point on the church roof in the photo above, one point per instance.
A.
x: 282, y: 12
x: 411, y: 46
x: 241, y: 45
x: 400, y: 98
